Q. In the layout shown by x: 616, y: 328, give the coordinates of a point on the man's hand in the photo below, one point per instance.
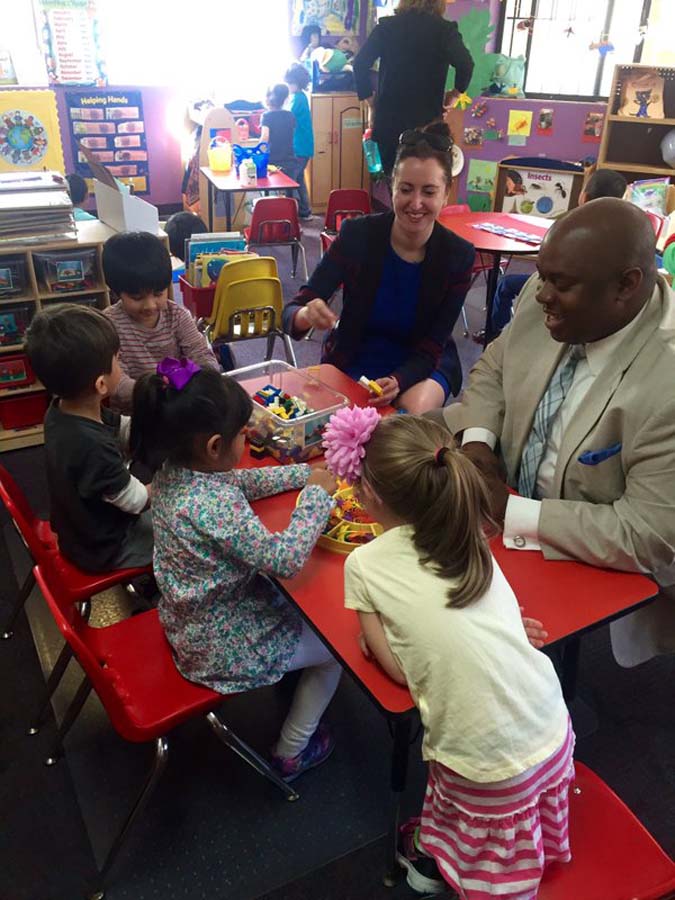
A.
x: 484, y: 459
x: 534, y: 631
x: 390, y: 391
x: 499, y: 497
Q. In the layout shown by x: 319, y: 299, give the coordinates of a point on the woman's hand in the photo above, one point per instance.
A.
x: 316, y: 314
x: 390, y: 391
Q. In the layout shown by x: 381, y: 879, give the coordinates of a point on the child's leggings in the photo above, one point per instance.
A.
x: 317, y: 684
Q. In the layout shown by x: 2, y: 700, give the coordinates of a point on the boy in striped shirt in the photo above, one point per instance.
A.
x: 137, y: 269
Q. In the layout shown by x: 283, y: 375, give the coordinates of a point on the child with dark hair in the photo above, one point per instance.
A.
x: 180, y: 227
x: 137, y: 269
x: 278, y: 127
x: 297, y: 79
x: 229, y: 627
x: 602, y: 183
x: 310, y: 38
x: 78, y: 190
x: 96, y: 506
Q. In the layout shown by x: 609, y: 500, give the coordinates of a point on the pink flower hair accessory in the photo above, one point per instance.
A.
x: 345, y: 437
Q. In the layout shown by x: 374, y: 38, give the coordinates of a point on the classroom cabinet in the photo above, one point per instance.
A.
x: 32, y: 277
x: 338, y: 160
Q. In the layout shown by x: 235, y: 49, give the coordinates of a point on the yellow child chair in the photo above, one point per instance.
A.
x: 238, y: 270
x: 247, y: 309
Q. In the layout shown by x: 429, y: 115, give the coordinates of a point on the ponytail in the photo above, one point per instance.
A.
x: 414, y: 466
x: 167, y: 422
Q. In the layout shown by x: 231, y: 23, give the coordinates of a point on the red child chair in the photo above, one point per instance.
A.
x: 613, y: 856
x: 41, y: 543
x: 130, y: 666
x: 343, y: 203
x: 275, y: 223
x: 480, y: 266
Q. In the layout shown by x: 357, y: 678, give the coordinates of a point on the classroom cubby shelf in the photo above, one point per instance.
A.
x: 631, y: 145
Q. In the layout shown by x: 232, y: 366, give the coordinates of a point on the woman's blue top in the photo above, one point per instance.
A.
x: 386, y: 343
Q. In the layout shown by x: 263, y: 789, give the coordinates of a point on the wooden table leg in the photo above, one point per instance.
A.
x: 399, y: 773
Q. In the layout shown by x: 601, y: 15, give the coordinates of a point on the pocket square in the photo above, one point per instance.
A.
x: 593, y: 457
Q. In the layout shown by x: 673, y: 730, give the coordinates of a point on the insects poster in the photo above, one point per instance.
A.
x: 535, y: 192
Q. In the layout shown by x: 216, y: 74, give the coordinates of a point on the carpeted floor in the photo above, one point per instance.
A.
x: 214, y: 828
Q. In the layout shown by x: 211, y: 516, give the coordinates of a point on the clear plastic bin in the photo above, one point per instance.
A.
x: 64, y: 272
x: 14, y: 320
x: 13, y: 277
x: 288, y: 440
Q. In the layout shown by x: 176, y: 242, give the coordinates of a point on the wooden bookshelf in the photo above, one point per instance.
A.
x: 631, y: 144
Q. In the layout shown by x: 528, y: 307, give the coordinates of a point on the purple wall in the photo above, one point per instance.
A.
x: 565, y: 142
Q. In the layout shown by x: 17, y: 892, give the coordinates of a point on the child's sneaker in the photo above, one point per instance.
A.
x: 423, y: 875
x: 320, y: 746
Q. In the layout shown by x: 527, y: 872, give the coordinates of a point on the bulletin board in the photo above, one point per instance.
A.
x: 30, y: 138
x: 111, y: 125
x: 537, y: 191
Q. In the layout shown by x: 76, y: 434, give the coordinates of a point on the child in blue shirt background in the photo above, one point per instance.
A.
x: 297, y: 79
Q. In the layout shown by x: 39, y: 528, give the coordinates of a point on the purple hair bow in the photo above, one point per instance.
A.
x: 177, y: 372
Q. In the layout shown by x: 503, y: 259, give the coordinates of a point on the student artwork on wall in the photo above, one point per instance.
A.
x: 30, y: 138
x: 545, y: 122
x: 592, y: 130
x: 111, y: 125
x: 332, y: 16
x: 69, y: 33
x: 482, y: 176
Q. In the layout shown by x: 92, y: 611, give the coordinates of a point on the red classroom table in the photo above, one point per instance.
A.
x: 463, y: 225
x: 228, y: 183
x: 569, y: 597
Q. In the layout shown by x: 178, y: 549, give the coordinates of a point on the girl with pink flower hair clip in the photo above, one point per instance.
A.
x: 438, y: 615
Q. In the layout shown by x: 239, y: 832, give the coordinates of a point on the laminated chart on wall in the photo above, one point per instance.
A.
x: 111, y: 126
x: 30, y: 138
x: 68, y: 30
x: 536, y: 193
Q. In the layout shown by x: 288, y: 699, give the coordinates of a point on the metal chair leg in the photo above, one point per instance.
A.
x: 294, y: 258
x: 19, y: 603
x: 304, y: 259
x: 271, y: 338
x: 55, y: 677
x: 158, y: 766
x: 230, y: 739
x: 72, y: 713
x: 290, y: 352
x: 466, y: 323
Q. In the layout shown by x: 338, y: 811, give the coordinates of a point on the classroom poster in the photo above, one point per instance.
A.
x: 482, y: 176
x: 592, y: 130
x: 111, y: 125
x: 30, y: 138
x: 332, y: 16
x: 69, y: 32
x: 537, y: 193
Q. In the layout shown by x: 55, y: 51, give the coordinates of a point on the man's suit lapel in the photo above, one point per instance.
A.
x: 601, y: 392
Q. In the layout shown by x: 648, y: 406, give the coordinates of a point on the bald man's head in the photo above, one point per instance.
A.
x: 597, y: 270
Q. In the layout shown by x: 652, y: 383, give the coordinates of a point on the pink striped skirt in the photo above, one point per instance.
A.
x: 495, y: 840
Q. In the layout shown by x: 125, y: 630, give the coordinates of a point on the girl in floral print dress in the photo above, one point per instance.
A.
x: 229, y: 627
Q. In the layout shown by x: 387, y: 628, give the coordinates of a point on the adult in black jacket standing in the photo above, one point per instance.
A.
x: 404, y: 280
x: 415, y: 47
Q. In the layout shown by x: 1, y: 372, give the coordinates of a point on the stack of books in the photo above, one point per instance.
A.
x: 206, y: 254
x: 35, y: 207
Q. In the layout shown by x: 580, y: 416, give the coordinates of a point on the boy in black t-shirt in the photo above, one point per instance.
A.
x: 277, y: 127
x: 96, y: 506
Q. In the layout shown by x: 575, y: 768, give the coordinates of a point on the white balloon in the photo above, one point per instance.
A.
x: 668, y: 148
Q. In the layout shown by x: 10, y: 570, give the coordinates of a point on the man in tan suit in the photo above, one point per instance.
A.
x: 576, y: 402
